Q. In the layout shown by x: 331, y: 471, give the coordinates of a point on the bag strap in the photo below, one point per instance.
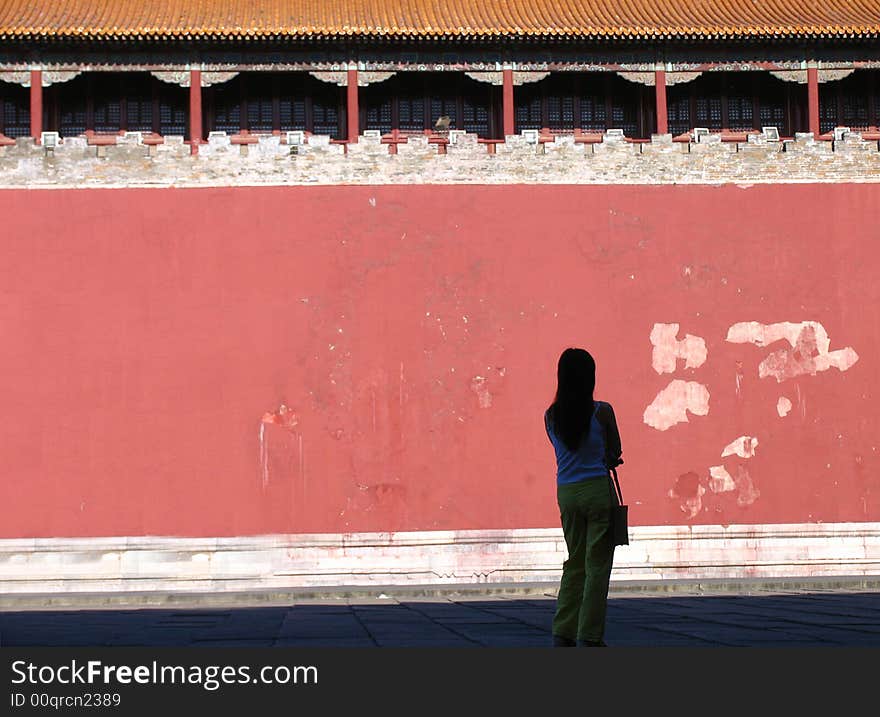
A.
x: 612, y: 472
x: 616, y: 483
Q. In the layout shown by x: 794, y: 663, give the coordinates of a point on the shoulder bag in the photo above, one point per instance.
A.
x: 619, y: 513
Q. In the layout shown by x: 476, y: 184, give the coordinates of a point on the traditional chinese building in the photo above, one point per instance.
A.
x: 218, y: 375
x: 494, y: 69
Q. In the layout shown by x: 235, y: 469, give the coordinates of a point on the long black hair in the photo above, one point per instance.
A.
x: 572, y: 408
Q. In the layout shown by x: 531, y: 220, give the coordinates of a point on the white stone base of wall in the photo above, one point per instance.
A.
x: 123, y: 564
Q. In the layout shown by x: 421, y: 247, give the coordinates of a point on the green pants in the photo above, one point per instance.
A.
x: 585, y: 509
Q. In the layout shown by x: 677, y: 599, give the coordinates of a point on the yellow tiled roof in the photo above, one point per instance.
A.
x: 252, y: 19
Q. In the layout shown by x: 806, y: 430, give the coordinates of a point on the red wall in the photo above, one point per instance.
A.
x: 146, y: 333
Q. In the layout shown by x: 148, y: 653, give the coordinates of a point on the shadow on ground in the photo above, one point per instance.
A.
x: 787, y: 619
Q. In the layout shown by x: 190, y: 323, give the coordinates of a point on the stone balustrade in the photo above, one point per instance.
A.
x: 459, y: 159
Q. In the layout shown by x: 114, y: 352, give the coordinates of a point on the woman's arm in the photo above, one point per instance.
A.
x: 613, y: 449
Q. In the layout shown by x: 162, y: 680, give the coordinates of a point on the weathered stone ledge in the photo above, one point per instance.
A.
x: 518, y: 160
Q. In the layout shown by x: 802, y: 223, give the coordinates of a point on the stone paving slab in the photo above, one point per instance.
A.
x: 790, y: 618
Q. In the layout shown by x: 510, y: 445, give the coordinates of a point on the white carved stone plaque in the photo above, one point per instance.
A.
x: 340, y: 78
x: 497, y: 78
x: 50, y: 77
x: 648, y: 78
x: 181, y: 77
x: 800, y: 76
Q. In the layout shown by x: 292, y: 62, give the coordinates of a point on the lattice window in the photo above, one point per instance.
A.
x: 857, y: 99
x: 226, y: 107
x: 445, y: 106
x: 827, y: 111
x: 411, y: 113
x: 594, y: 113
x: 475, y: 116
x: 678, y: 113
x: 259, y: 90
x: 108, y: 114
x: 69, y: 99
x: 773, y: 116
x: 707, y: 112
x: 172, y: 115
x: 856, y: 111
x: 528, y: 110
x: 567, y: 113
x: 553, y: 104
x: 259, y: 113
x: 623, y: 116
x: 136, y: 90
x: 740, y: 112
x: 139, y: 114
x: 292, y: 112
x: 549, y: 103
x: 106, y: 95
x: 377, y: 114
x: 15, y: 113
x: 325, y: 116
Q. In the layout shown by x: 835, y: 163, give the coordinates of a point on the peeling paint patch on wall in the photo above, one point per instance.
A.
x: 285, y: 417
x: 671, y: 405
x: 783, y: 406
x: 478, y: 384
x: 668, y: 349
x: 689, y: 492
x: 744, y: 447
x: 720, y: 481
x: 748, y: 494
x: 808, y: 354
x: 264, y: 456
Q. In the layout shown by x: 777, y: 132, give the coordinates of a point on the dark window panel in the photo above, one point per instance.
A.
x: 678, y: 114
x: 325, y: 117
x: 740, y: 110
x: 226, y: 105
x: 259, y: 89
x: 172, y: 120
x: 773, y: 116
x: 475, y: 106
x: 594, y: 113
x: 138, y: 93
x: 475, y: 116
x: 527, y: 112
x: 411, y: 113
x: 623, y: 116
x: 139, y: 114
x: 377, y: 114
x: 15, y: 112
x: 69, y: 100
x: 847, y: 102
x: 444, y: 105
x: 260, y: 114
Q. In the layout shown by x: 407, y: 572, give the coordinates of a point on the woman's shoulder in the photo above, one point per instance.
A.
x: 604, y: 409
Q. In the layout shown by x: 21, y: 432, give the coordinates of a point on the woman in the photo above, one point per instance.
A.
x: 585, y: 437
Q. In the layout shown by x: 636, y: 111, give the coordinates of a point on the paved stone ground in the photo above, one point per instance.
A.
x: 792, y: 619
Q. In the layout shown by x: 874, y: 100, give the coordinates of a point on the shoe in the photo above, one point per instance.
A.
x: 591, y: 643
x: 560, y: 641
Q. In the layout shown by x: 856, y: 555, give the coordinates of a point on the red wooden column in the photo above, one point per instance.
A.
x: 507, y: 100
x: 195, y: 110
x: 813, y: 97
x: 660, y: 87
x: 352, y: 110
x: 36, y: 104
